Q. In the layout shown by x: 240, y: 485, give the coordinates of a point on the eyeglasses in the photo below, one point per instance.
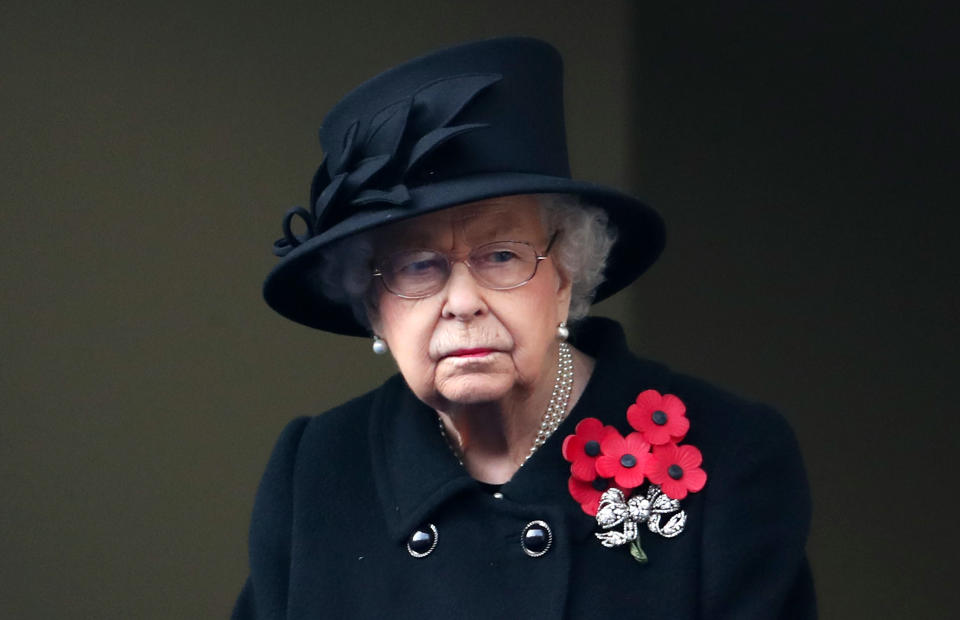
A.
x: 501, y: 265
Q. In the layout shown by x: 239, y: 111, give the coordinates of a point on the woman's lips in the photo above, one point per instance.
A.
x: 475, y: 352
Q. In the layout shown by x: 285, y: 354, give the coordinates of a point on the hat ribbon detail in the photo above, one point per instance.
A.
x: 374, y: 171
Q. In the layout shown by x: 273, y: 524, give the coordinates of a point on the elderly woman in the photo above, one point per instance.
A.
x: 523, y: 463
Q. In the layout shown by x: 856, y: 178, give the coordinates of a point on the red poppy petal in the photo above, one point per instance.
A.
x: 667, y: 453
x: 630, y: 477
x: 674, y: 488
x: 572, y: 447
x: 647, y: 458
x: 673, y: 405
x: 591, y: 507
x: 589, y: 426
x: 608, y: 430
x: 679, y: 426
x: 607, y: 466
x: 580, y: 491
x: 658, y: 476
x: 595, y: 435
x: 636, y: 444
x: 649, y: 399
x: 689, y: 457
x: 636, y: 416
x: 613, y: 444
x: 656, y: 435
x: 584, y: 469
x: 694, y: 479
x: 639, y: 418
x: 655, y: 470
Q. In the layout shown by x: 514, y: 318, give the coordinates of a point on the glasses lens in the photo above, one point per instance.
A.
x: 503, y: 264
x: 415, y: 273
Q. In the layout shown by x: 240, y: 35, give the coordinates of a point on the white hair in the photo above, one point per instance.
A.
x: 583, y: 243
x: 582, y: 246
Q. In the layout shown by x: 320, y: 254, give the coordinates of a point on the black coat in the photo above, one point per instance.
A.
x: 343, y: 492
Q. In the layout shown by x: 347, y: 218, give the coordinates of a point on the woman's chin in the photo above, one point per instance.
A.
x: 475, y: 388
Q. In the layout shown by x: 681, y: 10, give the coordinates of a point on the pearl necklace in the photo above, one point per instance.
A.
x: 556, y: 411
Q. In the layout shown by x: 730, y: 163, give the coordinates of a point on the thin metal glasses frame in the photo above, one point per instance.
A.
x: 378, y: 273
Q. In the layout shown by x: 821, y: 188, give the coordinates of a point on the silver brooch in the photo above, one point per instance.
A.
x: 615, y: 509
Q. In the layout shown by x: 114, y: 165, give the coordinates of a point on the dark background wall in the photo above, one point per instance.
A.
x: 806, y: 160
x: 148, y: 150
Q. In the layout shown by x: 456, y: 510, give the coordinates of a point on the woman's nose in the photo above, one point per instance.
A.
x: 464, y: 295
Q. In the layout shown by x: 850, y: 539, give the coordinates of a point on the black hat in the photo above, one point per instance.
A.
x: 463, y: 124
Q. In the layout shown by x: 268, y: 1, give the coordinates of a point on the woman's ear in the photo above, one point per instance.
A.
x: 564, y: 291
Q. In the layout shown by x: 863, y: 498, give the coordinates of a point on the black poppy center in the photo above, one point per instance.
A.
x: 628, y: 460
x: 659, y: 417
x: 600, y: 484
x: 592, y: 448
x: 675, y: 472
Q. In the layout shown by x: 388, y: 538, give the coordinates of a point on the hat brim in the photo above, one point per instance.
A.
x: 291, y: 288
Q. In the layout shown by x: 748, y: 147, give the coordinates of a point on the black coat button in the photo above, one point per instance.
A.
x: 422, y: 541
x: 536, y: 538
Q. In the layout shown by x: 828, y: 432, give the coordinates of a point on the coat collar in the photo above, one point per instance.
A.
x: 416, y: 473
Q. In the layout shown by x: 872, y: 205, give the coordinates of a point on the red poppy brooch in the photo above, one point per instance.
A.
x: 640, y: 478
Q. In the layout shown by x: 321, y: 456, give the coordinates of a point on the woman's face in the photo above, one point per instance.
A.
x: 468, y: 344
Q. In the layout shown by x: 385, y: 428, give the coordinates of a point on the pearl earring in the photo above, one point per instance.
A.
x: 379, y: 345
x: 563, y: 332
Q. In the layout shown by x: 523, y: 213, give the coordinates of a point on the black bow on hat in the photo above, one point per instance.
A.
x: 395, y: 142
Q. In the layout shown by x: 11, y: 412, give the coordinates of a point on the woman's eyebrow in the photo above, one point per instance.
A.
x: 503, y: 228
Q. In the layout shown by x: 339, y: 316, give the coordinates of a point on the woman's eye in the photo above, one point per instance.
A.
x: 497, y: 257
x: 418, y: 265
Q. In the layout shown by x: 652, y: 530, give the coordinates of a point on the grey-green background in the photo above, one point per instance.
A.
x: 801, y: 156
